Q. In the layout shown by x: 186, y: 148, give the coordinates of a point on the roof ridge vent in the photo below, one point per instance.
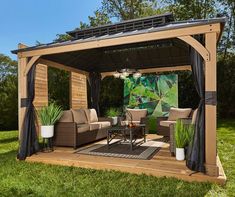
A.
x: 124, y: 26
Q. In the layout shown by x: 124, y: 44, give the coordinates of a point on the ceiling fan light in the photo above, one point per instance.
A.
x: 116, y: 75
x: 122, y: 76
x: 137, y: 75
x: 125, y: 73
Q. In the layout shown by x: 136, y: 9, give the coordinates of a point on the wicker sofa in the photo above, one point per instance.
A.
x: 79, y: 127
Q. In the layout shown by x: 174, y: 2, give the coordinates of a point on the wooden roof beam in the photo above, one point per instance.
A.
x: 154, y: 70
x: 61, y: 66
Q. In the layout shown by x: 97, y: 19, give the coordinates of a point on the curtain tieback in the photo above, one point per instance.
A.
x: 210, y: 98
x: 25, y: 102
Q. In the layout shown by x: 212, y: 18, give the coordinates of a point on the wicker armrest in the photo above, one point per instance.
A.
x: 65, y: 134
x: 186, y: 120
x: 144, y: 120
x: 172, y: 139
x: 159, y: 119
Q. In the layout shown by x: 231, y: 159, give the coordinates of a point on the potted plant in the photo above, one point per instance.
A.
x: 113, y: 113
x: 180, y: 140
x: 48, y: 115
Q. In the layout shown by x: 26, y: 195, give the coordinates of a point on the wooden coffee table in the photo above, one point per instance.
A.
x: 126, y: 135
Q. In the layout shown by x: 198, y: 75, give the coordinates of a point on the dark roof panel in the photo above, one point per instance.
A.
x: 125, y: 26
x: 169, y: 52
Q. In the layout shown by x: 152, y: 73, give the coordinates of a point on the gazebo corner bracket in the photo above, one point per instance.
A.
x: 30, y: 64
x: 197, y: 46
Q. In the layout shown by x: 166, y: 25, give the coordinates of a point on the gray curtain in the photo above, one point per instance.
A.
x: 29, y: 140
x: 95, y: 82
x: 196, y: 150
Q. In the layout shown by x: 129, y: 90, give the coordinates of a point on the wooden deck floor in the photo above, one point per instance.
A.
x: 162, y: 164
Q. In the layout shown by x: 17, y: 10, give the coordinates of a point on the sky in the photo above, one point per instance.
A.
x: 28, y: 21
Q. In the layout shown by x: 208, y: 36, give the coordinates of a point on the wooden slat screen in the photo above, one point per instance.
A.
x: 41, y: 86
x: 78, y: 91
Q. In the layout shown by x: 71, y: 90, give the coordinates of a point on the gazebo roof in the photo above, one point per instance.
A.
x: 159, y: 53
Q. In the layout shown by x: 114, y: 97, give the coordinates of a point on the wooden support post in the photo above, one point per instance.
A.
x: 78, y: 90
x: 210, y: 110
x: 22, y: 89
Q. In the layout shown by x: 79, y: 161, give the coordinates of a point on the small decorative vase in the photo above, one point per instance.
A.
x: 180, y: 155
x: 47, y: 131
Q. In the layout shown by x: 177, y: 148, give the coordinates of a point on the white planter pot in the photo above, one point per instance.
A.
x: 180, y: 154
x: 47, y: 131
x: 115, y: 120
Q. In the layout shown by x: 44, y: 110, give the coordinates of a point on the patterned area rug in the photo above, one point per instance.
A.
x: 142, y: 151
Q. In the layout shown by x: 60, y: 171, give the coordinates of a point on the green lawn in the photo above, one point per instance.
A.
x: 27, y: 179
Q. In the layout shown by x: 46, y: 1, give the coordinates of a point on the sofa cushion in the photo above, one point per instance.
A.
x: 166, y: 123
x: 91, y: 115
x: 67, y: 116
x: 94, y: 126
x: 83, y: 128
x: 79, y: 116
x: 104, y: 124
x: 137, y: 114
x: 176, y: 113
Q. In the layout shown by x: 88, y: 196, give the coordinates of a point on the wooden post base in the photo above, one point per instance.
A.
x: 212, y: 170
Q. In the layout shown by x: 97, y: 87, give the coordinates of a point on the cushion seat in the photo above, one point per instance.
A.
x: 177, y: 113
x: 91, y: 115
x: 167, y: 123
x: 67, y: 116
x: 104, y: 124
x: 79, y: 116
x: 83, y: 128
x: 136, y: 114
x: 94, y: 126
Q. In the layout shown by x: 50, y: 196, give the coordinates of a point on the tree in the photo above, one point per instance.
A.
x: 7, y: 67
x: 227, y: 43
x: 226, y: 86
x: 195, y: 9
x: 130, y: 9
x: 8, y: 93
x: 58, y: 87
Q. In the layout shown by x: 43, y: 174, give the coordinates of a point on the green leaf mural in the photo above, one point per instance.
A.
x: 156, y: 93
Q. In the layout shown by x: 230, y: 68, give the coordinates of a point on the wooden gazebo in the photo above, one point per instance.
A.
x: 152, y: 44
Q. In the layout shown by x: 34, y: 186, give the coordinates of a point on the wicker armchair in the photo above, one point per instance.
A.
x: 164, y: 123
x: 161, y: 130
